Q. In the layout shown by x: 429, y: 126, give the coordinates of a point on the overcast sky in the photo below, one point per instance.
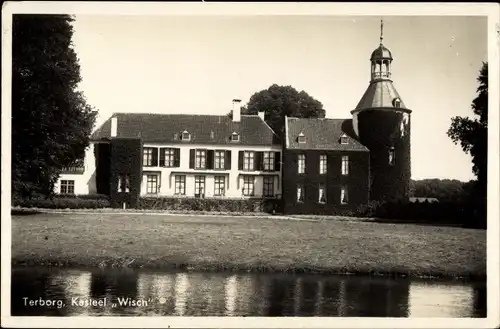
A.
x: 179, y: 64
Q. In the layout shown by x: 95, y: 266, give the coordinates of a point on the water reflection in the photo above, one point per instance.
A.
x: 226, y: 294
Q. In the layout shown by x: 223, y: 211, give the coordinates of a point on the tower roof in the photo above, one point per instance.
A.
x: 381, y: 94
x: 381, y: 53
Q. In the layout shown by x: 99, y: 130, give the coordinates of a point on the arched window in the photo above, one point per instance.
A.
x: 396, y: 102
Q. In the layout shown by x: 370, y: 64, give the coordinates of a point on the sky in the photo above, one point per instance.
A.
x: 198, y: 64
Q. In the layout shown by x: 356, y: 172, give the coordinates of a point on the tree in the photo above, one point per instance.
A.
x: 472, y: 134
x: 51, y: 120
x: 279, y: 101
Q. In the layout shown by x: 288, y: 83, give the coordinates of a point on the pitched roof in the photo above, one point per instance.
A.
x: 204, y: 129
x: 380, y: 93
x: 322, y: 134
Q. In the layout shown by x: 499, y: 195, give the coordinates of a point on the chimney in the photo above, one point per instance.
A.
x: 261, y: 115
x: 236, y: 110
x: 114, y: 126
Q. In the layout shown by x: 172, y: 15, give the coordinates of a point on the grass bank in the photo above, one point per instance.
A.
x: 246, y: 244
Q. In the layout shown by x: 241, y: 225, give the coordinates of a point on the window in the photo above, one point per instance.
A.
x: 268, y: 190
x: 248, y: 160
x: 301, y: 139
x: 321, y: 193
x: 180, y: 185
x: 186, y: 135
x: 220, y: 185
x: 148, y: 157
x: 199, y: 186
x: 235, y: 137
x: 67, y: 187
x: 345, y: 165
x: 344, y: 139
x: 152, y: 184
x: 301, y: 162
x: 322, y: 164
x: 269, y: 161
x: 248, y: 185
x: 169, y: 158
x: 392, y: 156
x: 344, y: 199
x: 219, y: 159
x: 397, y: 102
x: 201, y: 159
x: 123, y: 183
x: 300, y: 193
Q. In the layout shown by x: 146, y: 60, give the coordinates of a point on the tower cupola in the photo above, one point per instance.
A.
x: 381, y: 59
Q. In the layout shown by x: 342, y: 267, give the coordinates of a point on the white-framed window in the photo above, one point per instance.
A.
x: 301, y: 138
x: 321, y: 193
x: 344, y: 196
x: 199, y: 186
x: 344, y: 139
x: 180, y: 184
x: 268, y: 161
x: 169, y: 157
x: 392, y: 156
x: 123, y: 183
x: 219, y: 159
x: 148, y: 156
x: 67, y: 186
x: 397, y: 102
x: 248, y: 160
x: 219, y: 185
x: 300, y: 193
x: 323, y: 164
x: 201, y: 159
x: 248, y: 185
x: 345, y: 165
x: 235, y: 137
x: 301, y: 163
x: 185, y: 136
x: 268, y: 186
x: 152, y: 184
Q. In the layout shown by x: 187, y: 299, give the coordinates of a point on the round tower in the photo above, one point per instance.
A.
x: 382, y: 122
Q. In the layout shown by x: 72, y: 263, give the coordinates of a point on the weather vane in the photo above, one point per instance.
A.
x: 381, y: 30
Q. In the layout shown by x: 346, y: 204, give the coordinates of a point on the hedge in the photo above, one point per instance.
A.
x: 220, y: 205
x: 64, y: 203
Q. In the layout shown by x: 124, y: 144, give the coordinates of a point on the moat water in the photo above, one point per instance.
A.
x: 69, y: 292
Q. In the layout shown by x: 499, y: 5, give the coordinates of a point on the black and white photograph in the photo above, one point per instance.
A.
x: 250, y: 165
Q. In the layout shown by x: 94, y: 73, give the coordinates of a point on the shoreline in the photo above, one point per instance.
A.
x: 56, y: 263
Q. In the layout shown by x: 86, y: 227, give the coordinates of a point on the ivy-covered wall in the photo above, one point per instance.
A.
x: 102, y: 153
x: 356, y: 182
x: 379, y: 130
x: 126, y: 161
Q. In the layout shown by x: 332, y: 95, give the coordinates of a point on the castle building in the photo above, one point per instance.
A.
x: 322, y: 166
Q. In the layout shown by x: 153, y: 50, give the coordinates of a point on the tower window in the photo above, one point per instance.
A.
x: 397, y: 102
x: 392, y: 156
x: 301, y: 139
x: 344, y: 139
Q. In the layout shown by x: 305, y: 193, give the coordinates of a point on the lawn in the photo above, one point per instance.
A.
x: 239, y: 243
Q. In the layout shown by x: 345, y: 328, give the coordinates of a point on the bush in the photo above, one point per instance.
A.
x: 220, y: 205
x: 64, y: 203
x: 82, y: 196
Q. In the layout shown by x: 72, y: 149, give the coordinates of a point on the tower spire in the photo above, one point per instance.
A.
x: 381, y: 30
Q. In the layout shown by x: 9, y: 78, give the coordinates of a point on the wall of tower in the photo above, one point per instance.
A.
x: 380, y: 130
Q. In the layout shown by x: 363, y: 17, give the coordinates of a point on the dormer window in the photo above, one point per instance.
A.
x: 212, y: 134
x: 344, y: 139
x: 235, y: 137
x: 301, y: 138
x: 396, y: 102
x: 186, y: 136
x: 175, y: 136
